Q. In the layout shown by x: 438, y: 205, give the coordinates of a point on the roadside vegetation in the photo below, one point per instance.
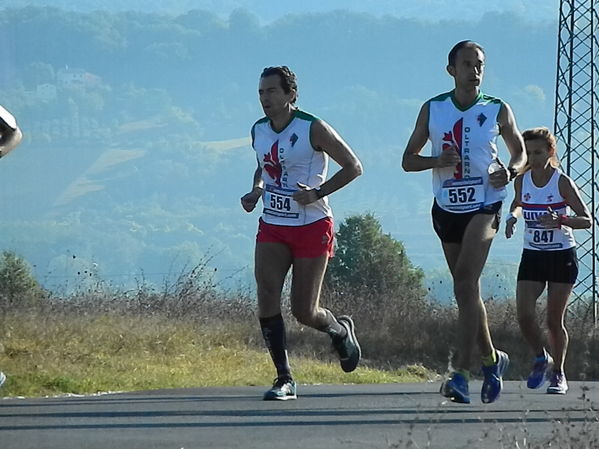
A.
x: 189, y: 333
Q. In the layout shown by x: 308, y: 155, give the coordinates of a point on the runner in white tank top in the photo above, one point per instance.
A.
x: 472, y: 131
x: 546, y: 198
x: 462, y: 126
x: 287, y: 158
x: 535, y: 202
x: 10, y: 137
x: 296, y: 229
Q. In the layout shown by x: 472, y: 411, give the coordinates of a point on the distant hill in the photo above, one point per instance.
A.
x: 137, y: 124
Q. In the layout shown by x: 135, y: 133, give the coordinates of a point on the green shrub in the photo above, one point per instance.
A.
x: 18, y: 287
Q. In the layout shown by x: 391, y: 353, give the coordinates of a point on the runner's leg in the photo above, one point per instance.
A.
x: 557, y: 300
x: 272, y: 262
x: 308, y: 274
x: 466, y: 262
x: 527, y: 293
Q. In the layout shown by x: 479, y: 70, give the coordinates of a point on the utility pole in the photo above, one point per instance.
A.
x: 576, y: 127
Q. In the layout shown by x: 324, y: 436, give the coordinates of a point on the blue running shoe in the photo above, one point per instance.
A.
x: 541, y: 372
x: 348, y: 347
x: 558, y: 384
x: 456, y: 389
x: 2, y: 378
x: 283, y: 389
x: 493, y: 381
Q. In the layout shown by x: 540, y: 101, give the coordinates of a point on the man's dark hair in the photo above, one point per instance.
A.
x: 288, y: 78
x: 453, y: 54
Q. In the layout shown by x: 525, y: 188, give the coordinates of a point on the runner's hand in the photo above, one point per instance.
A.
x: 500, y: 177
x: 249, y: 200
x: 449, y: 157
x: 510, y: 227
x: 305, y: 195
x: 550, y: 220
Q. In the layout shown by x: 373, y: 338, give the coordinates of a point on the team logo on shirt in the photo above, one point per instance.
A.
x: 549, y: 198
x: 272, y: 164
x: 293, y: 139
x: 482, y: 118
x: 455, y: 138
x: 526, y: 197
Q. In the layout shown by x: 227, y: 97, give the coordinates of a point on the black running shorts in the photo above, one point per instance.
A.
x: 450, y: 227
x: 549, y: 266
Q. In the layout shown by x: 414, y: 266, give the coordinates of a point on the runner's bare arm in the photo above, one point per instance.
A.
x: 512, y: 138
x: 413, y: 161
x: 325, y: 138
x: 515, y: 209
x: 582, y: 219
x: 250, y: 199
x: 10, y: 133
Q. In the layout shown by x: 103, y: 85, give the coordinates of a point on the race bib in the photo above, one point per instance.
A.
x: 463, y: 195
x: 279, y: 202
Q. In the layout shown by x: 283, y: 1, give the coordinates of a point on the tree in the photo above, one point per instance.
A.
x: 367, y: 260
x: 17, y: 284
x: 372, y: 278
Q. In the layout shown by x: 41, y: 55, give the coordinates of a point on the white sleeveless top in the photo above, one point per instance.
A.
x: 535, y: 201
x: 8, y: 118
x: 288, y: 157
x: 474, y: 131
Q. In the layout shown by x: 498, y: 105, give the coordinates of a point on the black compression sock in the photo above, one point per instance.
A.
x: 273, y: 331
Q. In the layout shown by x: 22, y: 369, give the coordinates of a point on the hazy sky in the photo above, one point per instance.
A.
x: 268, y: 10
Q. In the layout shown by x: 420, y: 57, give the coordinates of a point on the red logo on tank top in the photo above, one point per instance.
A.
x: 272, y: 164
x: 454, y: 138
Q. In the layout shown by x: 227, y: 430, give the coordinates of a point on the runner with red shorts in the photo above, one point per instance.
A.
x: 296, y: 227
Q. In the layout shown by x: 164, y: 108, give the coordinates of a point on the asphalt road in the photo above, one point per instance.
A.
x: 323, y: 417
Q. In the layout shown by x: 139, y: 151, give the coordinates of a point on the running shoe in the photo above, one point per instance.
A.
x: 493, y: 381
x: 456, y: 389
x: 541, y: 372
x: 558, y: 384
x: 283, y: 389
x: 348, y: 347
x: 2, y: 378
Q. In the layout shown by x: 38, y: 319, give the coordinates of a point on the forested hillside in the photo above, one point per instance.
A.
x: 136, y: 124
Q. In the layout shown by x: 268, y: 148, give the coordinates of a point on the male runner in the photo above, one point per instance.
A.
x: 469, y: 186
x: 296, y: 227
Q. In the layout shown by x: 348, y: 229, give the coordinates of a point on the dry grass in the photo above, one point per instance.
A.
x: 189, y: 333
x: 397, y: 331
x: 63, y: 352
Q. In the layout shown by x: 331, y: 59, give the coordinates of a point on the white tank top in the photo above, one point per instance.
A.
x: 535, y: 201
x: 288, y: 157
x: 474, y: 131
x: 8, y: 118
